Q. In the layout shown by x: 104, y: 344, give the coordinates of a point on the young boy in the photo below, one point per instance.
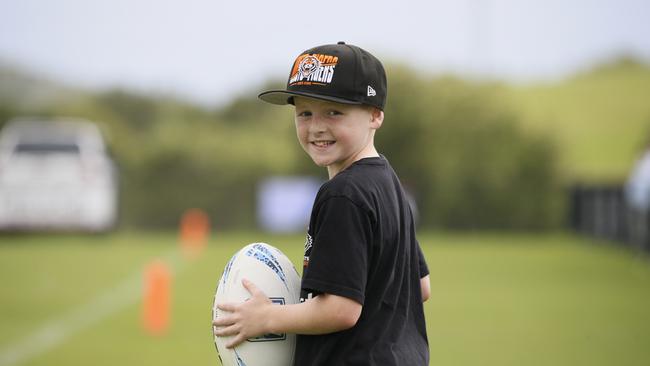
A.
x: 364, y: 275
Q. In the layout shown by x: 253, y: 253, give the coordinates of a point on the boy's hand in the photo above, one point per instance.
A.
x: 247, y: 319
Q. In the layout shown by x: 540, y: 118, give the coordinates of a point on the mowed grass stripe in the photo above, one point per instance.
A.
x: 497, y: 299
x: 537, y: 300
x: 61, y: 327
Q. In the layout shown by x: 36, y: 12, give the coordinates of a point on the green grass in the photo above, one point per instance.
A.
x: 497, y: 299
x: 600, y: 119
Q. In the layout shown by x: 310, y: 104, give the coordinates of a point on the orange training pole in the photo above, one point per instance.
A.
x: 157, y: 299
x: 194, y: 232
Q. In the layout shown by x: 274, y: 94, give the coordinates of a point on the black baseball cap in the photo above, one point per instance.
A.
x: 340, y: 73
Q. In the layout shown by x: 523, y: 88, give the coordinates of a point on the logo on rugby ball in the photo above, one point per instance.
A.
x: 270, y: 337
x: 264, y: 255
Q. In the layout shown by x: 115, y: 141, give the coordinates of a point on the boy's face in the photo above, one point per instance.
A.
x: 335, y: 135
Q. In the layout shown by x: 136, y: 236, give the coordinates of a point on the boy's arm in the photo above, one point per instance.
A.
x: 322, y: 314
x: 425, y: 284
x: 425, y: 287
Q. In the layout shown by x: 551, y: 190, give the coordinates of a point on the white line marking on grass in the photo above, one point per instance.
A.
x: 59, y: 330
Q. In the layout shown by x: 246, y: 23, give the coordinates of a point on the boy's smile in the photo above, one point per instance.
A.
x: 336, y: 135
x: 323, y: 144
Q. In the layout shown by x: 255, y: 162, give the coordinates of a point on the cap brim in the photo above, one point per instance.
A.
x: 282, y: 97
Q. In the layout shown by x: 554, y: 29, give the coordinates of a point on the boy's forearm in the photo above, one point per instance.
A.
x: 320, y: 315
x: 425, y: 288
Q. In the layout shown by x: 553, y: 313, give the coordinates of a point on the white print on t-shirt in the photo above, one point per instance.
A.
x: 308, y: 244
x: 309, y: 297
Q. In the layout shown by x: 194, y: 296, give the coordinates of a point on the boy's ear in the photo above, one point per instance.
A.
x: 377, y: 118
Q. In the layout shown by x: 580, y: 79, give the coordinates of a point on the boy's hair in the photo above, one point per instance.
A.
x: 339, y: 73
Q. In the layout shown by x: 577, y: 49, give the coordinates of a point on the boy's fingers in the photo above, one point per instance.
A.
x: 227, y: 331
x: 236, y: 341
x: 248, y: 285
x: 230, y: 307
x: 222, y: 321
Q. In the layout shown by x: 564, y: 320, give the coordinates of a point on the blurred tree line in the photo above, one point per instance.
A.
x: 457, y: 148
x: 463, y: 154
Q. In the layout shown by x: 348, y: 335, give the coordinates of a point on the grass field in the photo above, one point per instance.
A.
x: 510, y: 299
x: 600, y: 120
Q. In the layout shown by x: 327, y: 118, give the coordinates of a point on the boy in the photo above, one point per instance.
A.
x: 364, y: 275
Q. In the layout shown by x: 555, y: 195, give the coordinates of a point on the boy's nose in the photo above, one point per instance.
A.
x: 317, y: 126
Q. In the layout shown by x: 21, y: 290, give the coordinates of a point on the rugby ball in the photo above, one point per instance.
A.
x: 273, y: 273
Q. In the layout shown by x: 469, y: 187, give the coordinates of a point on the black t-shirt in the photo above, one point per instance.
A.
x: 361, y: 245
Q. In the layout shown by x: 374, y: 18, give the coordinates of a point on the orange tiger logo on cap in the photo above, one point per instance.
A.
x: 310, y: 69
x: 308, y: 65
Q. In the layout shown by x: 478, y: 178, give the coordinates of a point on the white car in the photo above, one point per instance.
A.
x: 55, y: 174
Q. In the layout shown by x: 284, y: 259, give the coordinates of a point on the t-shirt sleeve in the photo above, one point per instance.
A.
x: 338, y: 261
x: 424, y: 269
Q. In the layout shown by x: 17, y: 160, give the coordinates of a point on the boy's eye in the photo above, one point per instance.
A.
x: 334, y: 113
x: 304, y: 114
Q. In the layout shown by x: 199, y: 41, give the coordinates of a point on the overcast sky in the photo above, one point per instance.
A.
x: 210, y: 50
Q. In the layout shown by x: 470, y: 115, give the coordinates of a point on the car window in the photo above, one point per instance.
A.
x: 46, y: 148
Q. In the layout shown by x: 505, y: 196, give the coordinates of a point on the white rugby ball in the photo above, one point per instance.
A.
x: 273, y: 273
